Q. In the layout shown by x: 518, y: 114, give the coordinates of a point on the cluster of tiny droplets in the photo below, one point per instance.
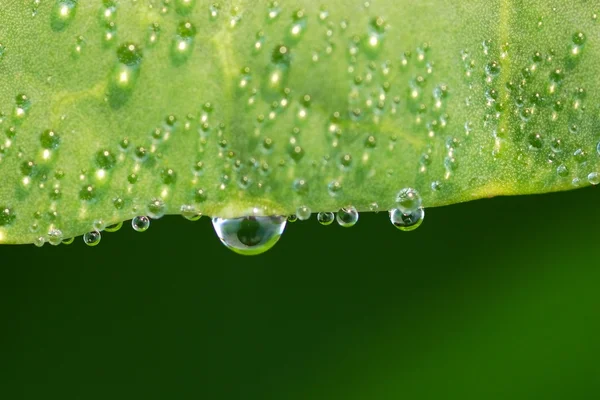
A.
x: 535, y: 92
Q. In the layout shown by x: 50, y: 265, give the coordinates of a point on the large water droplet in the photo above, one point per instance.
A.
x: 407, y: 221
x: 250, y: 235
x: 140, y: 223
x: 347, y: 217
x: 92, y: 238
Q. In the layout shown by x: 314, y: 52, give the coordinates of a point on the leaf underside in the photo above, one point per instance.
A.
x: 116, y: 109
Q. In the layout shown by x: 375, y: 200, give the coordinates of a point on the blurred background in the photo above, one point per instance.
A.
x: 494, y: 299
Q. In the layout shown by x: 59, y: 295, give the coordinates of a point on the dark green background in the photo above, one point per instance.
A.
x: 491, y: 299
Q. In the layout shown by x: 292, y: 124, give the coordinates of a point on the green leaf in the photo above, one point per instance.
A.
x: 116, y: 109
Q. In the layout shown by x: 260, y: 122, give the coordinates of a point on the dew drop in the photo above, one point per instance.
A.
x: 303, y: 213
x: 535, y: 141
x: 492, y: 68
x: 190, y: 213
x: 129, y: 54
x: 114, y: 227
x: 325, y: 218
x: 562, y: 171
x: 408, y: 200
x: 251, y: 235
x: 55, y: 237
x: 140, y: 223
x: 7, y: 216
x: 63, y: 14
x: 39, y: 241
x: 92, y: 238
x: 184, y: 7
x: 105, y: 159
x: 156, y: 208
x: 49, y: 139
x: 594, y: 178
x: 347, y: 217
x: 407, y: 221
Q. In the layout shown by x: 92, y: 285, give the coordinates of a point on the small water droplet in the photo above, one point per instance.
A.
x: 407, y: 221
x: 7, y: 216
x: 251, y: 235
x: 594, y: 178
x: 408, y: 200
x: 92, y: 238
x: 562, y: 171
x: 140, y: 223
x: 156, y: 208
x: 55, y: 237
x: 63, y: 14
x: 114, y: 227
x: 325, y: 218
x: 303, y: 213
x: 347, y: 217
x: 190, y: 213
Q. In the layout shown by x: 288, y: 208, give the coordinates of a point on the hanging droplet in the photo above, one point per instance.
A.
x: 407, y: 221
x: 92, y: 238
x: 156, y: 208
x: 114, y: 227
x: 190, y: 213
x: 347, y: 217
x: 140, y: 223
x: 250, y: 235
x: 303, y: 213
x: 325, y: 218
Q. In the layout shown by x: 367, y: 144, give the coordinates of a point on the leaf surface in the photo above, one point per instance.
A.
x: 114, y: 109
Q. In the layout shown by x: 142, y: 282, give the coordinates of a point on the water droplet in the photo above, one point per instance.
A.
x: 156, y: 208
x: 7, y: 216
x: 119, y: 203
x: 49, y: 139
x: 334, y: 188
x: 492, y: 68
x: 114, y: 227
x: 105, y: 159
x: 250, y: 235
x: 184, y: 7
x: 168, y: 176
x: 92, y: 238
x: 579, y: 38
x: 303, y: 213
x: 140, y: 223
x: 55, y: 237
x: 408, y: 200
x: 87, y: 193
x: 183, y: 43
x: 129, y: 54
x: 190, y: 213
x: 300, y: 186
x: 63, y: 14
x: 347, y: 217
x: 594, y: 178
x: 292, y: 218
x: 535, y: 141
x: 325, y: 218
x: 407, y: 221
x: 562, y: 171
